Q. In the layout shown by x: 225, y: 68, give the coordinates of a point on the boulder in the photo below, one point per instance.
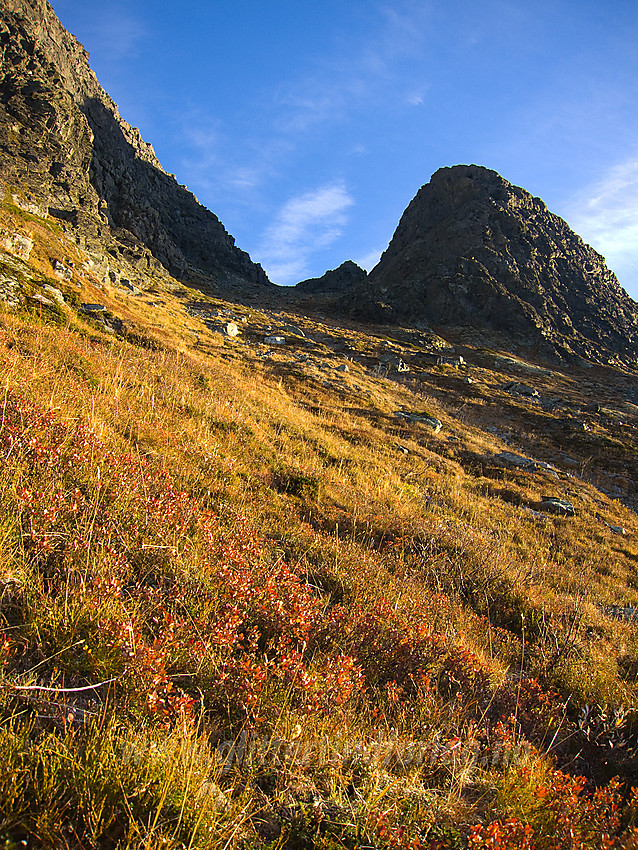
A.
x: 54, y: 293
x: 422, y: 418
x: 560, y: 507
x: 19, y: 246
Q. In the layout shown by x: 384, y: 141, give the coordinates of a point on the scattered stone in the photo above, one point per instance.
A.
x: 618, y: 529
x: 468, y: 380
x: 28, y: 206
x: 343, y: 367
x: 402, y: 366
x: 93, y: 308
x: 456, y: 361
x: 557, y: 506
x: 129, y: 287
x: 231, y: 330
x: 275, y: 340
x: 403, y: 450
x: 8, y: 294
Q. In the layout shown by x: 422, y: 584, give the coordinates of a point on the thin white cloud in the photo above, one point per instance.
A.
x: 605, y: 214
x: 118, y: 33
x: 304, y: 224
x: 416, y: 98
x: 366, y: 73
x: 369, y: 260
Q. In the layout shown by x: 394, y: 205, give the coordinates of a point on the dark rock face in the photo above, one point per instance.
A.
x: 64, y: 145
x: 472, y: 250
x: 338, y: 280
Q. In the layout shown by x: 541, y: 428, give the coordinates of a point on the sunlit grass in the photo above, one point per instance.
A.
x: 202, y: 556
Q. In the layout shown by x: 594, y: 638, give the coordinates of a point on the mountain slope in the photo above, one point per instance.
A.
x: 472, y: 250
x: 64, y: 146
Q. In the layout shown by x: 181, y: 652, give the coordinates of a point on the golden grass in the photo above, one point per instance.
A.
x: 432, y: 551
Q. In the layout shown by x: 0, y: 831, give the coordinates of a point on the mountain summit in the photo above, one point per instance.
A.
x: 73, y: 158
x: 472, y: 250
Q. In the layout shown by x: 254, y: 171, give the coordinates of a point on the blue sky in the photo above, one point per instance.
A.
x: 308, y: 126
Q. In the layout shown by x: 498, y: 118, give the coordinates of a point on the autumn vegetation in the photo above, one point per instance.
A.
x: 234, y: 614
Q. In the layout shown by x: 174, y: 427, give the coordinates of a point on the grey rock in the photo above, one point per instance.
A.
x: 455, y: 360
x: 553, y: 505
x: 61, y: 271
x: 512, y: 459
x: 54, y: 293
x: 626, y: 613
x: 40, y: 299
x: 16, y: 244
x: 432, y: 358
x: 526, y: 463
x: 275, y: 340
x: 93, y: 308
x: 516, y: 388
x: 422, y: 418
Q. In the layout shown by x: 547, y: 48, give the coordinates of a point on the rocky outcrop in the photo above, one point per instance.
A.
x: 474, y: 251
x: 335, y: 281
x: 65, y: 152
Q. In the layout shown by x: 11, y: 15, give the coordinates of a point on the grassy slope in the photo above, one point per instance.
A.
x: 234, y: 613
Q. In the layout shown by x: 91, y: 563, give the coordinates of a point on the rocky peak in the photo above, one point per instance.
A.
x: 70, y: 155
x: 472, y: 250
x: 337, y: 280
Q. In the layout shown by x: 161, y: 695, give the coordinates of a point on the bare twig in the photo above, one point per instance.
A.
x: 63, y: 690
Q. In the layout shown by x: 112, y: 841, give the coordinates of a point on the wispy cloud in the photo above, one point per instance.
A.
x: 304, y: 224
x: 118, y: 32
x: 369, y: 260
x: 368, y: 71
x: 605, y: 214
